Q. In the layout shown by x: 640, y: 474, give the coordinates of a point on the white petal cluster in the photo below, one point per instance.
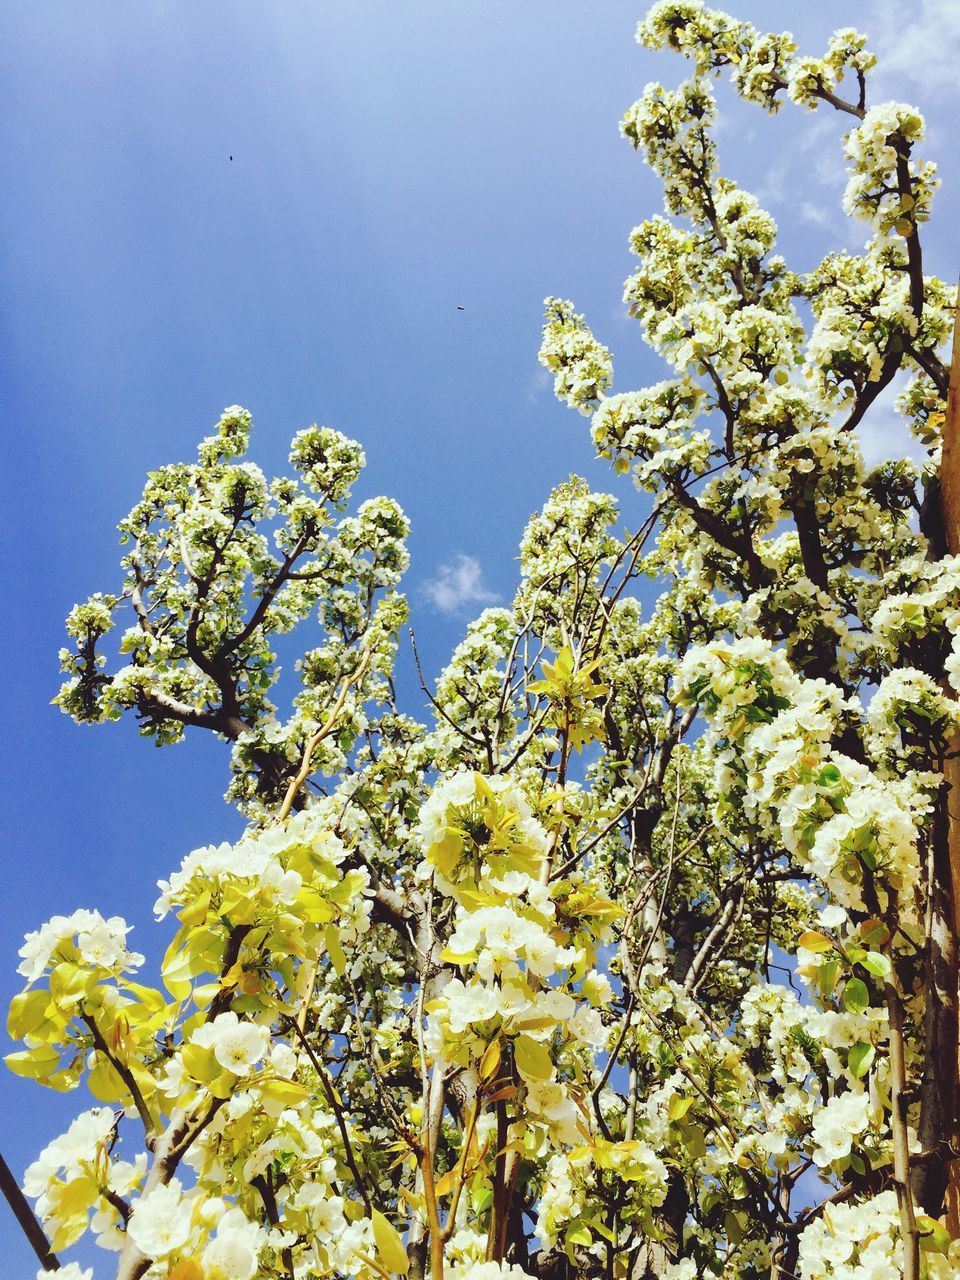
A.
x: 885, y: 137
x: 837, y: 1126
x: 70, y: 1153
x: 83, y: 938
x: 861, y: 1240
x: 581, y: 365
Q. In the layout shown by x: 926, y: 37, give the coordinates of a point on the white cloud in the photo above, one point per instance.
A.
x: 458, y: 586
x: 919, y: 43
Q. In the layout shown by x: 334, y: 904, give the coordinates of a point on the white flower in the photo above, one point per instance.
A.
x: 160, y: 1222
x: 488, y: 1271
x: 238, y: 1046
x: 233, y: 1254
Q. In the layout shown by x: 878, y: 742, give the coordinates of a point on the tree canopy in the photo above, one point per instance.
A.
x: 638, y: 957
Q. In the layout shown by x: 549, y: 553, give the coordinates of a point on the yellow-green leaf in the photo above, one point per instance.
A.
x: 860, y: 1058
x: 934, y: 1237
x: 532, y: 1058
x: 678, y: 1107
x: 331, y: 940
x: 389, y: 1245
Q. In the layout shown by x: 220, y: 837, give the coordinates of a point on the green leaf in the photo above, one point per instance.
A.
x: 874, y: 933
x: 694, y: 1140
x: 868, y: 858
x: 860, y: 1058
x: 856, y: 997
x: 876, y: 964
x: 827, y: 975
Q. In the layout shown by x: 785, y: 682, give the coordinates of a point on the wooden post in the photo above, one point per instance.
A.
x: 950, y: 506
x: 950, y: 464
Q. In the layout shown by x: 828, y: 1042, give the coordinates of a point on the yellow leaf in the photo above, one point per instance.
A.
x: 151, y: 999
x: 813, y: 941
x: 69, y: 983
x: 415, y: 1201
x: 224, y: 1085
x: 678, y: 1107
x: 447, y: 1182
x: 176, y: 971
x: 196, y: 912
x: 484, y: 790
x: 490, y: 1060
x: 287, y: 1092
x: 186, y: 1269
x: 389, y: 1245
x: 199, y: 1063
x: 104, y: 1082
x: 34, y: 1064
x: 27, y: 1013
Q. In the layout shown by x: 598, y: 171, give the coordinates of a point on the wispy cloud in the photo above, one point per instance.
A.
x: 921, y: 45
x: 539, y: 385
x: 458, y: 586
x: 813, y: 164
x: 819, y: 216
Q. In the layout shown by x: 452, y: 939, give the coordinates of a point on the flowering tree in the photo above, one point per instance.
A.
x: 640, y: 959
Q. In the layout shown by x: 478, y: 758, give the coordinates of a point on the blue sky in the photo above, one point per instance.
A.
x: 391, y: 164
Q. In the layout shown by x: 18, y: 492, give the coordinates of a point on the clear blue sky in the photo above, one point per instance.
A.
x: 391, y: 163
